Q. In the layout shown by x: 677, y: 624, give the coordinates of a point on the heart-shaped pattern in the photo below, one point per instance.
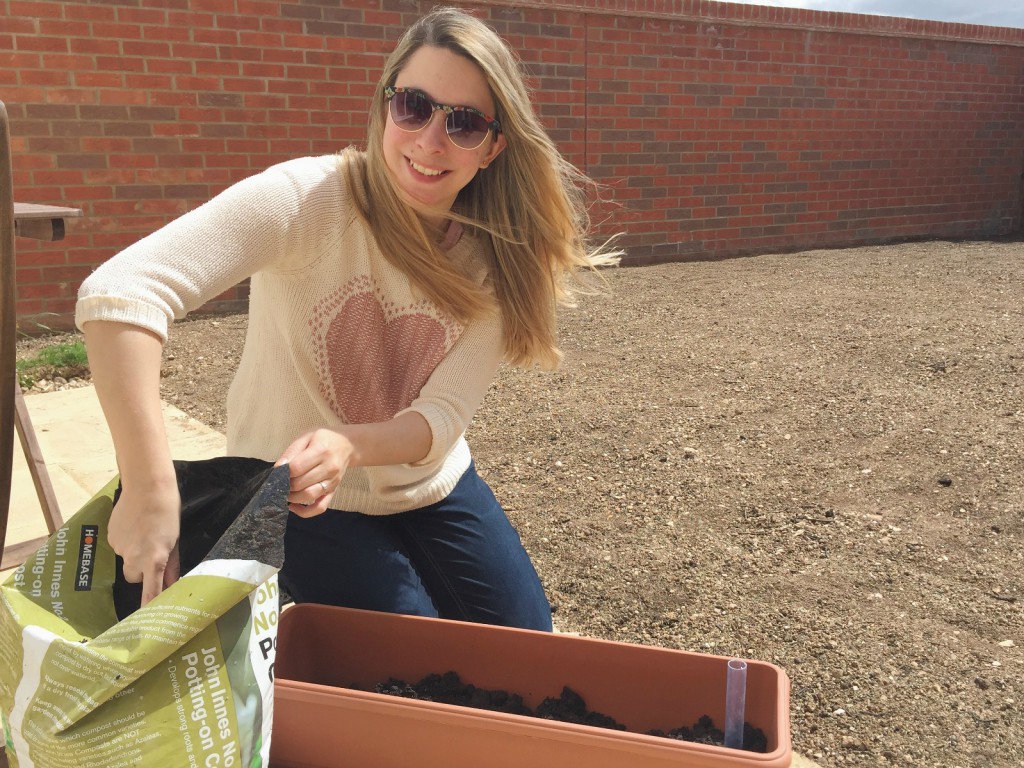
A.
x: 372, y: 366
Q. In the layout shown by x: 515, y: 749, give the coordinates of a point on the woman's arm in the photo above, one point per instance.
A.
x: 125, y: 362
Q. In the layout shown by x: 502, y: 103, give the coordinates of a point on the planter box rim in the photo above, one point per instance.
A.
x: 313, y: 608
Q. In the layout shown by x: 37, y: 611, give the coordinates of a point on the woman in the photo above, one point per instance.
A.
x: 386, y: 287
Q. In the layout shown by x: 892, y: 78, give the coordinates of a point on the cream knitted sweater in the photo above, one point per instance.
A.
x: 336, y: 334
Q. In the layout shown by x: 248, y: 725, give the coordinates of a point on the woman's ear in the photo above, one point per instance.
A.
x: 496, y: 149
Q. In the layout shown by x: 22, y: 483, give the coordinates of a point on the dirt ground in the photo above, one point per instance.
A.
x: 813, y: 459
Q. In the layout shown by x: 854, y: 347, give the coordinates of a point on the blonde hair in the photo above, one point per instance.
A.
x: 530, y: 201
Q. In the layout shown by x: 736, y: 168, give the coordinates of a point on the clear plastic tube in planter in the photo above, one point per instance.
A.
x: 735, y: 702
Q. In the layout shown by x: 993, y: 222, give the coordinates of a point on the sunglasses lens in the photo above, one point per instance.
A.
x: 410, y: 110
x: 467, y: 129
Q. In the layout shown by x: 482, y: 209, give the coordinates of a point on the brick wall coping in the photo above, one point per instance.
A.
x: 792, y: 18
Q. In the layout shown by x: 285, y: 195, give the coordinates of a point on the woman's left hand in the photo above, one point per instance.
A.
x: 317, y: 461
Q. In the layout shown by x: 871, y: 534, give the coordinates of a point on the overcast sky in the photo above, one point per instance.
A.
x: 997, y: 13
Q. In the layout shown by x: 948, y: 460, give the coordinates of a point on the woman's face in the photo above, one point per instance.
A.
x: 427, y: 167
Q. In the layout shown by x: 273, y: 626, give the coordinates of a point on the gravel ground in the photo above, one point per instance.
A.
x: 813, y: 459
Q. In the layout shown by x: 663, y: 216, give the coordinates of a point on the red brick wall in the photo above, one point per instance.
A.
x: 719, y: 129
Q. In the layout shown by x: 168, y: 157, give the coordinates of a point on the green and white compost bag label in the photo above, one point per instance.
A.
x: 186, y: 680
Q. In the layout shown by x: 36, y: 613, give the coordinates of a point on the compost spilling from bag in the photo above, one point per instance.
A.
x: 87, y: 677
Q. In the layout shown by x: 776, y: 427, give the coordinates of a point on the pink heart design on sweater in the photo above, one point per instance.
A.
x: 378, y: 366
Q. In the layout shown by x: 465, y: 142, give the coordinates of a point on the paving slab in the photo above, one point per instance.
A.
x: 79, y: 455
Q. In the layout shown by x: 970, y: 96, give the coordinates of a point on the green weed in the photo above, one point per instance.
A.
x: 67, y: 359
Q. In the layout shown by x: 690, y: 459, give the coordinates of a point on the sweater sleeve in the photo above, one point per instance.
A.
x: 457, y: 386
x: 255, y: 224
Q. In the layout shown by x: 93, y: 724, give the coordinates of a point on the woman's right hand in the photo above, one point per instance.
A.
x: 143, y: 530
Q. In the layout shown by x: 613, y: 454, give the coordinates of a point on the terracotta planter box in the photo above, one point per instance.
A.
x: 320, y: 723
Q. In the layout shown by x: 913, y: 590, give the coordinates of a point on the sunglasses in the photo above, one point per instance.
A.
x: 412, y: 109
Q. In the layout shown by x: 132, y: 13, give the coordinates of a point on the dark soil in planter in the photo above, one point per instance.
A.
x: 567, y: 708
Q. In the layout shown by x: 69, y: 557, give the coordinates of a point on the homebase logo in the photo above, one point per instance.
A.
x: 86, y: 555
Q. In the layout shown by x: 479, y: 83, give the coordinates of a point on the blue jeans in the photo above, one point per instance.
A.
x: 457, y: 559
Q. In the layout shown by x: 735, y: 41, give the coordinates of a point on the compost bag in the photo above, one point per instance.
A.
x: 88, y: 678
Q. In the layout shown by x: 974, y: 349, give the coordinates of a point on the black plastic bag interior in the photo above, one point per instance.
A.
x: 232, y: 507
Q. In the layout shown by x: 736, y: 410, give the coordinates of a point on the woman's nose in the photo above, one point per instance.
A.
x: 434, y: 135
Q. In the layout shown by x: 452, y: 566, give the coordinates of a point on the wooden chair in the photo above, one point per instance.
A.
x: 45, y: 223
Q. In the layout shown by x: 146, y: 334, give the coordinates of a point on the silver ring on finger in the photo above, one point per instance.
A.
x: 324, y: 486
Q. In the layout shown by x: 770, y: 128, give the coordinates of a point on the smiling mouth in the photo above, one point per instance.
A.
x: 424, y: 171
